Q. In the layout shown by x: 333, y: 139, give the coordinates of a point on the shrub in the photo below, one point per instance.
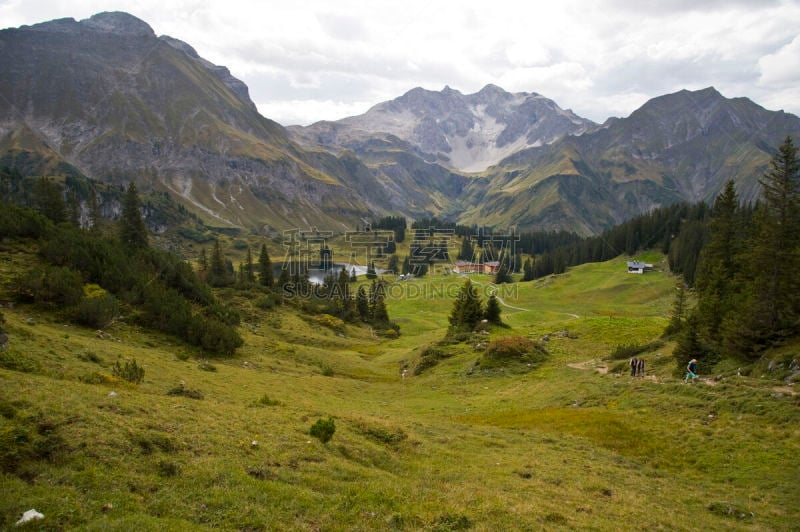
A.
x: 97, y: 312
x: 513, y: 349
x: 49, y: 284
x: 13, y: 360
x: 223, y: 314
x: 265, y: 400
x: 429, y: 357
x: 130, y: 371
x: 323, y: 430
x: 213, y: 336
x: 183, y: 391
x: 623, y: 351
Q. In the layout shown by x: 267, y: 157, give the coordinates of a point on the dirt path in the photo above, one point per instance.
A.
x: 594, y: 364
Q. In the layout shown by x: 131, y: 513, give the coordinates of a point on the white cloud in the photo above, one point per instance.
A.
x: 304, y: 112
x: 782, y: 67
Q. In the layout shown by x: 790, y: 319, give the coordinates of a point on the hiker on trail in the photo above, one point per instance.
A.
x: 634, y: 364
x: 640, y: 367
x: 691, y: 370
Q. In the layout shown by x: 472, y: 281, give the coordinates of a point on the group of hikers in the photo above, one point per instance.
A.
x: 637, y: 369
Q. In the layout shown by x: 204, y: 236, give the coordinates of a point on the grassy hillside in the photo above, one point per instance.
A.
x: 572, y: 444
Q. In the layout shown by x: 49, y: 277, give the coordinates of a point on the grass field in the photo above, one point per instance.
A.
x: 225, y: 444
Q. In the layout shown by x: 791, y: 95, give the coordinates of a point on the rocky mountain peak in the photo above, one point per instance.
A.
x: 119, y: 23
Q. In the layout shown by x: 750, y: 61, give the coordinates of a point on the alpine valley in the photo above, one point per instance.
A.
x: 105, y: 99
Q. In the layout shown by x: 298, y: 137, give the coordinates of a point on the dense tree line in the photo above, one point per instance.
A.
x: 160, y: 290
x: 746, y: 283
x: 392, y: 223
x: 677, y: 230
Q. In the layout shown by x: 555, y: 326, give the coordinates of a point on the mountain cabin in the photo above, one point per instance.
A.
x: 637, y: 266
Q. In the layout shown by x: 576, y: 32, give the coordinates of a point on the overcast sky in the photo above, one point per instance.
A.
x: 309, y: 60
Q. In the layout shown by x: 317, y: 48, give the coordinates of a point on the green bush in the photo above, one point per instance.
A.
x: 513, y: 350
x: 15, y: 361
x: 265, y: 400
x: 59, y: 285
x: 183, y: 391
x: 623, y: 351
x: 223, y: 314
x: 323, y: 430
x: 130, y: 371
x: 213, y: 336
x: 97, y: 312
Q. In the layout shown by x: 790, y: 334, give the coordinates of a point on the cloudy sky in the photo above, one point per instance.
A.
x: 309, y: 60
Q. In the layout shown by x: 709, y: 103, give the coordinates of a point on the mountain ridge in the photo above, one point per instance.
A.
x: 107, y: 98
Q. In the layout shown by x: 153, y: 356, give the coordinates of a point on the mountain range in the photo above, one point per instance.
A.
x: 107, y: 99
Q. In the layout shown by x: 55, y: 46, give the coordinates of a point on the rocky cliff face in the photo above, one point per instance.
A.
x: 677, y: 147
x: 117, y: 103
x: 467, y: 133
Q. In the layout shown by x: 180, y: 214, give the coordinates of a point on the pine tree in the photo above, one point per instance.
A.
x: 218, y: 272
x: 466, y: 252
x: 94, y: 210
x: 202, y: 260
x: 769, y: 304
x: 467, y: 308
x: 133, y: 232
x: 377, y: 308
x: 718, y: 266
x: 343, y: 285
x: 284, y: 279
x: 394, y: 264
x: 249, y: 270
x: 362, y: 304
x: 47, y: 197
x: 371, y: 273
x: 493, y: 310
x: 689, y: 345
x: 353, y: 276
x: 527, y: 270
x: 677, y: 318
x: 502, y: 275
x: 265, y: 275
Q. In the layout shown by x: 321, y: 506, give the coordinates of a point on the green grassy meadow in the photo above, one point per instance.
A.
x: 573, y: 444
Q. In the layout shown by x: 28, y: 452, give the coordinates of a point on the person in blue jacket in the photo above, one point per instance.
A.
x: 691, y: 370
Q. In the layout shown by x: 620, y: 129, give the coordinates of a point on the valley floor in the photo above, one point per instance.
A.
x: 574, y: 444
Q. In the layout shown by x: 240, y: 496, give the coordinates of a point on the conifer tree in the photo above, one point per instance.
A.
x: 502, y: 275
x: 466, y: 252
x: 249, y: 270
x: 679, y: 311
x: 284, y: 278
x: 377, y: 309
x: 133, y: 232
x: 394, y: 264
x: 718, y: 266
x: 47, y: 197
x: 202, y: 260
x: 353, y: 276
x: 362, y: 304
x: 493, y: 310
x: 769, y: 304
x: 218, y: 273
x: 467, y: 308
x: 94, y: 210
x: 371, y: 273
x: 343, y: 285
x: 265, y: 275
x: 527, y: 270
